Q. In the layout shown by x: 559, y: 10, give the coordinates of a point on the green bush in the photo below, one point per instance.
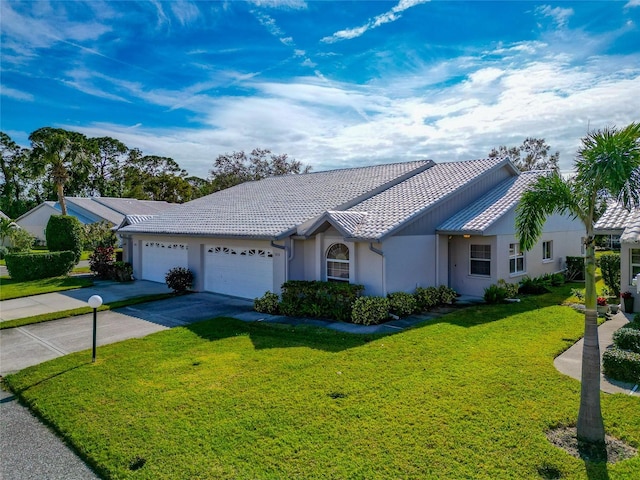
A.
x: 427, y: 298
x: 64, y: 233
x: 402, y: 304
x: 179, y: 279
x: 33, y: 266
x: 446, y: 295
x: 21, y: 240
x: 627, y: 339
x: 98, y: 234
x: 332, y: 300
x: 370, y: 310
x: 609, y: 264
x: 510, y: 288
x: 621, y: 365
x: 535, y: 286
x: 495, y: 294
x: 575, y: 268
x: 122, y: 272
x: 3, y: 251
x: 557, y: 279
x: 268, y: 303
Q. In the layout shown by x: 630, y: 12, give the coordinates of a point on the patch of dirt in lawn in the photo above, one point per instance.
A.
x: 566, y: 438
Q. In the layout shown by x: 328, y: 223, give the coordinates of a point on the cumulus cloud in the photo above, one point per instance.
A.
x: 375, y: 22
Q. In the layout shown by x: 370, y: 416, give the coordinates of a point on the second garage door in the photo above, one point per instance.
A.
x: 160, y: 257
x: 239, y: 271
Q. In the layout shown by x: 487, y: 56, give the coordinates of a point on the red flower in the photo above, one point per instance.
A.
x: 602, y: 301
x: 626, y: 295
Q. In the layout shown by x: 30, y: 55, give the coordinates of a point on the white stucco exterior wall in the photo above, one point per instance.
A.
x: 626, y: 274
x: 35, y: 222
x: 410, y: 262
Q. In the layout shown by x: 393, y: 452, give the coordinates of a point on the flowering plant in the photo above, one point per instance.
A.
x: 602, y: 301
x: 626, y: 295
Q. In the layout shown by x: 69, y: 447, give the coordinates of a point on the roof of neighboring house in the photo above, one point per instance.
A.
x: 2, y: 215
x: 276, y: 206
x: 480, y: 215
x: 617, y: 220
x: 132, y: 219
x: 113, y: 210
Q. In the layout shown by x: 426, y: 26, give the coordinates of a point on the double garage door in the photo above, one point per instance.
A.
x: 239, y: 271
x: 160, y: 257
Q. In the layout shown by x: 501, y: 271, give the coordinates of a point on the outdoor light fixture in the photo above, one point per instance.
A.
x: 94, y: 302
x: 467, y: 236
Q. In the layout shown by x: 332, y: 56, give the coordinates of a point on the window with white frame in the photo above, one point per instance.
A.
x: 547, y: 251
x: 338, y: 263
x: 634, y: 263
x: 516, y: 259
x: 480, y: 260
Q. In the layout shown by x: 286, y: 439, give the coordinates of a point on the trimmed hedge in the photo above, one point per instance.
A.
x: 370, y: 310
x: 34, y: 266
x: 621, y: 365
x: 64, y: 233
x: 627, y: 339
x: 334, y: 300
x: 609, y: 264
x: 268, y: 303
x: 402, y: 304
x: 427, y: 298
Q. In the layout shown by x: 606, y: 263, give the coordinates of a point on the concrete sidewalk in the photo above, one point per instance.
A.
x: 570, y: 361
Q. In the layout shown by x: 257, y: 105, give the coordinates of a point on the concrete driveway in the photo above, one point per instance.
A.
x: 32, y: 344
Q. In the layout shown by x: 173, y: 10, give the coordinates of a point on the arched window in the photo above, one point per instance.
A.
x: 338, y: 263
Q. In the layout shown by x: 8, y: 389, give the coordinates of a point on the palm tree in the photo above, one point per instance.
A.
x: 607, y: 165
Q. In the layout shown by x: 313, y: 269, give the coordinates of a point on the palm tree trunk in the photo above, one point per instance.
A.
x: 61, y: 201
x: 590, y: 426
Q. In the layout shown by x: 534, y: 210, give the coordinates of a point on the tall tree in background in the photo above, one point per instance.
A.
x: 109, y: 157
x: 15, y: 178
x: 608, y: 163
x: 151, y: 177
x: 533, y: 154
x: 63, y: 156
x: 235, y: 168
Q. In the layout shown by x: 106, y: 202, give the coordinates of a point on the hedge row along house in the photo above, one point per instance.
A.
x: 618, y: 221
x: 388, y: 227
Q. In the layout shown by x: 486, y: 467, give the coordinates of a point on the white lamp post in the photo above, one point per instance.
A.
x: 94, y: 302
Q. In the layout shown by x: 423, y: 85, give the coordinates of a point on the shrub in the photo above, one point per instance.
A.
x: 427, y: 298
x: 610, y: 267
x: 101, y: 262
x: 575, y: 268
x: 402, y: 304
x: 21, y: 240
x: 495, y: 294
x: 635, y: 325
x: 510, y: 288
x: 268, y: 303
x: 557, y: 279
x: 63, y: 233
x: 627, y: 339
x: 122, y: 272
x: 179, y: 279
x: 621, y: 365
x: 33, y: 266
x: 446, y: 295
x: 535, y: 286
x: 370, y: 310
x: 333, y: 300
x: 3, y: 251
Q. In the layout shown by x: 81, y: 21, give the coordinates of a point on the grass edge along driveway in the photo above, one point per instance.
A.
x: 469, y: 395
x: 10, y: 289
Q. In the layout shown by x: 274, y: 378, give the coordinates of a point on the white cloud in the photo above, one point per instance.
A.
x: 386, y: 17
x: 184, y: 11
x: 289, y: 4
x: 632, y: 3
x: 558, y: 14
x: 16, y: 94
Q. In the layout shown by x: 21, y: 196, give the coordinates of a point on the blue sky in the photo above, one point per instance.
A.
x: 332, y: 84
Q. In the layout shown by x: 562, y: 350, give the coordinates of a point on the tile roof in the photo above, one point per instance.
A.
x: 133, y: 206
x: 480, y: 215
x: 95, y: 208
x: 276, y: 206
x: 394, y: 207
x: 618, y: 220
x: 132, y: 219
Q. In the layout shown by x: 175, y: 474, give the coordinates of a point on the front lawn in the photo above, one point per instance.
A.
x: 10, y: 288
x: 467, y: 396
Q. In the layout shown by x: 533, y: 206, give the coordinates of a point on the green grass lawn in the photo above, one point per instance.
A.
x: 469, y: 395
x: 10, y: 288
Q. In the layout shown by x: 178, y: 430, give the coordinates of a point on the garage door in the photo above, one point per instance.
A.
x: 160, y: 257
x: 238, y: 271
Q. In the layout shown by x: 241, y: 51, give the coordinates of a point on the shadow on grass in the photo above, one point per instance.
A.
x: 596, y: 471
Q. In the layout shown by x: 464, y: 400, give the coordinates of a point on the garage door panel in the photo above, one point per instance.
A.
x: 238, y: 271
x: 160, y: 257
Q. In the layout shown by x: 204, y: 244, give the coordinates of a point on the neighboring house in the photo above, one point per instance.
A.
x: 617, y: 220
x: 88, y: 210
x: 388, y: 227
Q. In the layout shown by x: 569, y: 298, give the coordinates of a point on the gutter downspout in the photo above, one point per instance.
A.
x: 381, y: 253
x: 286, y: 259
